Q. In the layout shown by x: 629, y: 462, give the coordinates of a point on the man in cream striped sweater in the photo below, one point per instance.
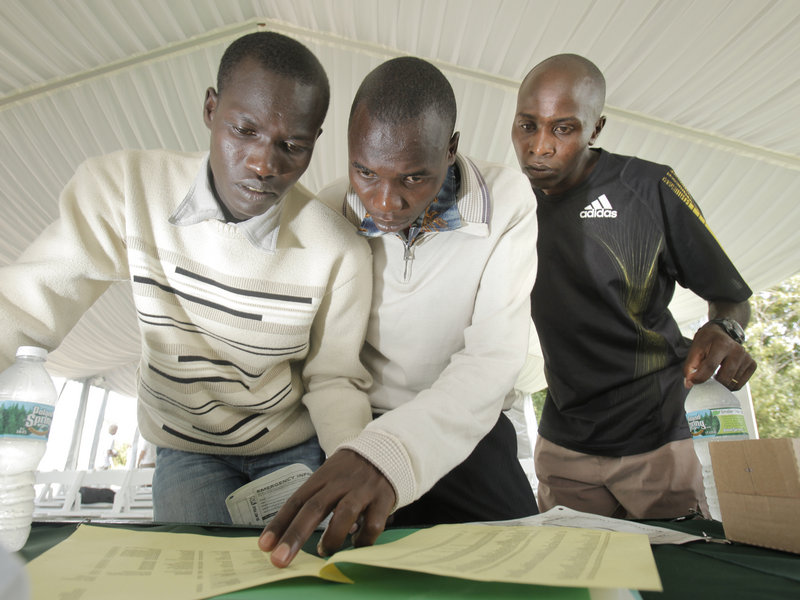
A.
x: 252, y: 297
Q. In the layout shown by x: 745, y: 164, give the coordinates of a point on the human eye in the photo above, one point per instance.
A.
x: 242, y: 130
x: 413, y: 179
x: 364, y: 172
x: 563, y: 129
x: 295, y: 148
x: 526, y: 125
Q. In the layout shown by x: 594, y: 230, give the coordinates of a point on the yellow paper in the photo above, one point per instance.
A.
x: 555, y: 556
x: 98, y: 563
x: 180, y: 566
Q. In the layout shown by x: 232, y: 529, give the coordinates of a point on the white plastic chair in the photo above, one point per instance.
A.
x: 56, y: 491
x: 134, y: 499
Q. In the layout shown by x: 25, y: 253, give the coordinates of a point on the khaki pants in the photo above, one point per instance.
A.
x: 661, y: 484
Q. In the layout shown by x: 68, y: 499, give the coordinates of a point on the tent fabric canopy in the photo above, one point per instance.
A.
x: 710, y: 87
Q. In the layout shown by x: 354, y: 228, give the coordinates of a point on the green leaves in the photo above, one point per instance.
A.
x: 773, y: 340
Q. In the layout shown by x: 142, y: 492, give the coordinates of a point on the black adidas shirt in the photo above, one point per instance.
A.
x: 609, y: 254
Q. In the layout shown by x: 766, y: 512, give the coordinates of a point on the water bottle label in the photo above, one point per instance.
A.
x: 716, y: 422
x: 28, y: 420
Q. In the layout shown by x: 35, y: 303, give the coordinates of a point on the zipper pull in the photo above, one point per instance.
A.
x: 408, y: 257
x: 408, y: 252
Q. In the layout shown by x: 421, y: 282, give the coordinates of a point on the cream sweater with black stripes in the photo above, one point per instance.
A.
x: 245, y: 349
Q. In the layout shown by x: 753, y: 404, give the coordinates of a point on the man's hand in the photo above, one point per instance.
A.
x: 360, y: 497
x: 712, y: 348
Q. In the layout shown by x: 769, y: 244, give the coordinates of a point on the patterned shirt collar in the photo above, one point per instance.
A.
x: 201, y: 204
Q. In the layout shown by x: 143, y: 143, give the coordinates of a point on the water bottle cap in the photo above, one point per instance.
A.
x: 32, y: 351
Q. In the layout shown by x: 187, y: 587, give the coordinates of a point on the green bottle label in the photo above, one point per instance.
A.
x: 717, y: 422
x: 28, y: 420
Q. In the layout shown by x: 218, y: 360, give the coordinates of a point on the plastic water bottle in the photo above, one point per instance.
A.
x: 27, y: 402
x: 14, y: 581
x: 715, y: 415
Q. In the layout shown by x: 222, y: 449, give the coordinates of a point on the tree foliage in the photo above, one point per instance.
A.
x: 773, y: 340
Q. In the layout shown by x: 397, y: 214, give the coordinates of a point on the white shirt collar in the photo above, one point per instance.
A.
x: 201, y: 204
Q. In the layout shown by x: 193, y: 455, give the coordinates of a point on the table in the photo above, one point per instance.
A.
x: 695, y: 570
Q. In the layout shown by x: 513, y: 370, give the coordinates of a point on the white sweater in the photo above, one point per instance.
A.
x: 445, y: 344
x: 245, y: 349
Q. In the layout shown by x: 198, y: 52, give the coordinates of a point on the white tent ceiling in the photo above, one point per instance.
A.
x: 711, y: 87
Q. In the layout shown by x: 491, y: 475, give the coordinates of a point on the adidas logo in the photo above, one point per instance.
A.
x: 600, y: 208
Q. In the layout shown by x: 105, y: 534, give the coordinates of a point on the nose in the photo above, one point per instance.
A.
x: 262, y: 160
x: 540, y: 143
x: 386, y: 199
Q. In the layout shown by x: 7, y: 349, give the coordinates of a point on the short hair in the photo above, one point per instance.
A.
x: 276, y: 53
x: 404, y: 88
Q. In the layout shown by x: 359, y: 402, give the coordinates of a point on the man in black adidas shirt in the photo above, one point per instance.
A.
x: 615, y: 235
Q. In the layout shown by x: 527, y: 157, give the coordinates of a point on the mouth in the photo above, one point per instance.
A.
x: 537, y: 170
x: 257, y: 190
x: 388, y: 225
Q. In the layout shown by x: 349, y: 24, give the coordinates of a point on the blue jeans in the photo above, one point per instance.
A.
x: 189, y: 487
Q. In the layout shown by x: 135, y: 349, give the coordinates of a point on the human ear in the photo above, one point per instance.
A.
x: 452, y: 148
x: 210, y: 106
x: 598, y: 127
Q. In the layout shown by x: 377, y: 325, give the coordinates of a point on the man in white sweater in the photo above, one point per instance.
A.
x: 452, y: 243
x: 252, y: 296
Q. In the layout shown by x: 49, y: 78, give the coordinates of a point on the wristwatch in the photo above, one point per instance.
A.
x: 731, y: 327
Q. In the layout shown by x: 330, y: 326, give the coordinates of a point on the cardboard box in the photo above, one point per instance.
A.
x: 758, y: 483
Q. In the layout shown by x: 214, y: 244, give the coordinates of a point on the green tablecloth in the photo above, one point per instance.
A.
x: 730, y: 571
x: 694, y: 570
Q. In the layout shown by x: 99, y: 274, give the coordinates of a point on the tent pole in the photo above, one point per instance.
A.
x: 96, y: 441
x: 77, y: 432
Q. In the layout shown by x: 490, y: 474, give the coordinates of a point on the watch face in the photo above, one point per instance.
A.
x: 732, y: 328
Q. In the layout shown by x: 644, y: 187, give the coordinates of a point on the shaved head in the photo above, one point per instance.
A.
x: 575, y: 71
